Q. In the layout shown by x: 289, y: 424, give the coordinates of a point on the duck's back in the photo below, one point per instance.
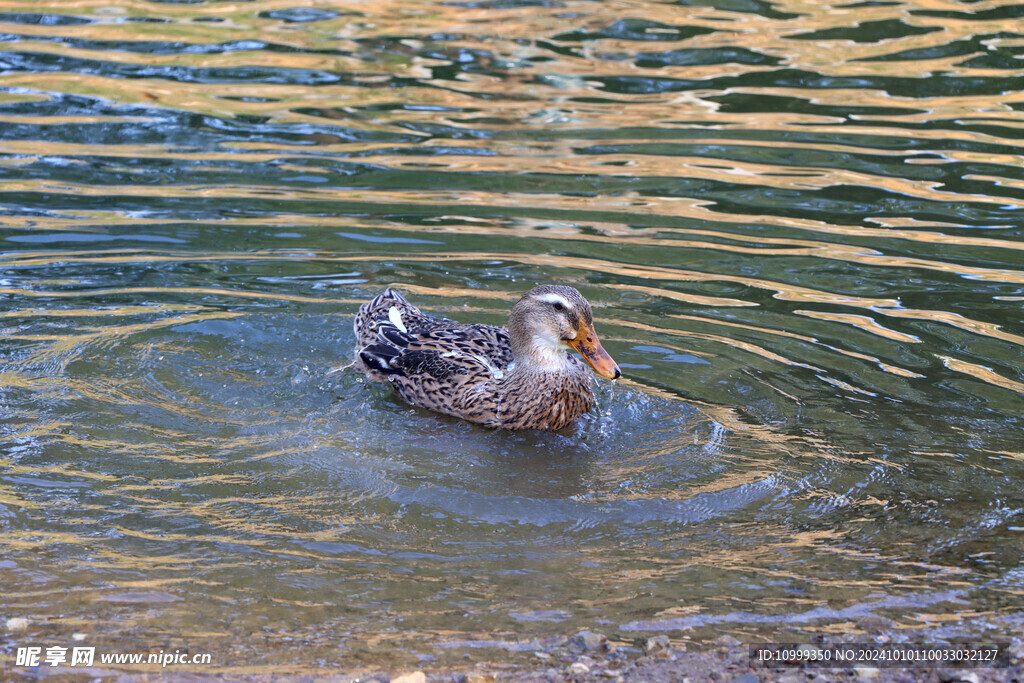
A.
x: 432, y: 362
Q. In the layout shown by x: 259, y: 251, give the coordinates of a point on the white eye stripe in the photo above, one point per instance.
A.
x: 552, y: 298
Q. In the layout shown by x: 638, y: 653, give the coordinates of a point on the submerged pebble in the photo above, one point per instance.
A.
x: 17, y: 624
x: 579, y: 668
x: 414, y: 677
x: 594, y: 641
x: 658, y: 646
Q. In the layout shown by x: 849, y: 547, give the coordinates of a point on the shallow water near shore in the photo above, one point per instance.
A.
x: 799, y: 227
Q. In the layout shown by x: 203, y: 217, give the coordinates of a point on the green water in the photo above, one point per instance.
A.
x: 799, y: 226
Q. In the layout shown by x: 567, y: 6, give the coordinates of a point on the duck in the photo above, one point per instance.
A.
x: 520, y: 377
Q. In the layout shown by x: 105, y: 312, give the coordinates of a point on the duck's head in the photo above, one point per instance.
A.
x: 547, y: 322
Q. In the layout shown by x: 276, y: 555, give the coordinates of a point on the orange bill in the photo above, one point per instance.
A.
x: 589, y: 347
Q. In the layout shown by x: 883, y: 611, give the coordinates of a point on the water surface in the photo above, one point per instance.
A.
x: 799, y: 226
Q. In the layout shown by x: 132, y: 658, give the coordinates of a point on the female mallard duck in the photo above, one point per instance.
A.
x: 523, y: 378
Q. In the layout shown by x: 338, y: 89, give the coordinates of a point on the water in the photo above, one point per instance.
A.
x: 799, y: 226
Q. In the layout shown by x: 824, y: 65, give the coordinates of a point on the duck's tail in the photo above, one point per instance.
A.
x: 380, y: 328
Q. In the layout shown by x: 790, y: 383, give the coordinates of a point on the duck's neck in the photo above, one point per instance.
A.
x: 544, y: 365
x: 542, y: 356
x: 537, y: 350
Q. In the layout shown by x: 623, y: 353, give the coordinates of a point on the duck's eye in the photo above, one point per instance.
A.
x: 558, y: 306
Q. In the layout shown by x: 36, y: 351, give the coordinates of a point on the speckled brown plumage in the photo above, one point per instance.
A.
x: 521, y: 378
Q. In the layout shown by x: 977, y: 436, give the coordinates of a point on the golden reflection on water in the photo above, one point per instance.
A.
x: 982, y: 373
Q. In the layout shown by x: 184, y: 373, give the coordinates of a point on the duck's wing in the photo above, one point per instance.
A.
x: 444, y: 353
x: 389, y: 319
x: 453, y: 370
